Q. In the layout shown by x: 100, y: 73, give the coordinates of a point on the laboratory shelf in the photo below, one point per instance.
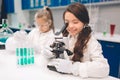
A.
x: 107, y: 37
x: 92, y: 4
x: 9, y: 6
x: 105, y: 3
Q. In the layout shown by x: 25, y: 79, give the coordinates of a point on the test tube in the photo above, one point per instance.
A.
x: 21, y: 56
x: 28, y: 56
x: 17, y: 54
x: 25, y: 56
x: 32, y: 55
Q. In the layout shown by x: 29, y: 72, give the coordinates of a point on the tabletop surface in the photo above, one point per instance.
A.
x: 9, y: 70
x: 107, y: 37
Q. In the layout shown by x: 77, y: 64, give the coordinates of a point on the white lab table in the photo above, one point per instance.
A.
x: 107, y: 37
x: 9, y: 70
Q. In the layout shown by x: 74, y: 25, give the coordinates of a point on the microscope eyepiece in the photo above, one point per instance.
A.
x: 62, y: 30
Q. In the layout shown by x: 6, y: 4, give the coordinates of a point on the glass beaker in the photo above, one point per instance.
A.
x: 112, y: 29
x: 5, y: 31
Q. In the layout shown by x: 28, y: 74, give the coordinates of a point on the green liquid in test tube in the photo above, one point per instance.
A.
x: 104, y: 33
x: 25, y: 56
x: 21, y: 57
x: 32, y: 55
x: 17, y: 54
x: 28, y: 58
x: 20, y: 26
x: 17, y: 51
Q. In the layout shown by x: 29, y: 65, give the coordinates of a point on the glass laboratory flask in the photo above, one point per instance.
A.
x: 5, y: 31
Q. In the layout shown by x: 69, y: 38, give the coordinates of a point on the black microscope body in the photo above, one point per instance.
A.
x: 58, y: 47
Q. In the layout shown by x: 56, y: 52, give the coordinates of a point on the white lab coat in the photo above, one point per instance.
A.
x: 16, y: 41
x: 93, y: 63
x: 39, y: 40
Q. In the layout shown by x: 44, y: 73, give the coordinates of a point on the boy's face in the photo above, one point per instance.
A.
x: 43, y: 25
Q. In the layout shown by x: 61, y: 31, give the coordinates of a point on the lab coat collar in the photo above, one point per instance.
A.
x: 73, y: 37
x: 50, y: 31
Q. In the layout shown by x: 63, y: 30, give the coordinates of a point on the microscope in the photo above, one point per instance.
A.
x: 59, y: 47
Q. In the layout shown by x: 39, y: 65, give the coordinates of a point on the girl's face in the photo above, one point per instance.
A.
x: 74, y: 25
x: 43, y: 25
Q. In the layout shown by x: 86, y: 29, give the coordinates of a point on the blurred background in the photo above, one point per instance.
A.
x: 104, y: 14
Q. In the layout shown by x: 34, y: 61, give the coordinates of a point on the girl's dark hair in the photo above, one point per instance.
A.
x: 81, y: 13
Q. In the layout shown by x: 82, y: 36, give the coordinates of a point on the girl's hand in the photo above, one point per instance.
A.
x: 62, y: 65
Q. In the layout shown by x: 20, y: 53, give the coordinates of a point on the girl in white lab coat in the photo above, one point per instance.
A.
x: 87, y: 59
x: 43, y: 34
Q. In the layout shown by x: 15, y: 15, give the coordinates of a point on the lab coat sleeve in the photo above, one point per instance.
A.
x: 31, y: 35
x: 40, y: 40
x: 50, y: 39
x: 96, y: 66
